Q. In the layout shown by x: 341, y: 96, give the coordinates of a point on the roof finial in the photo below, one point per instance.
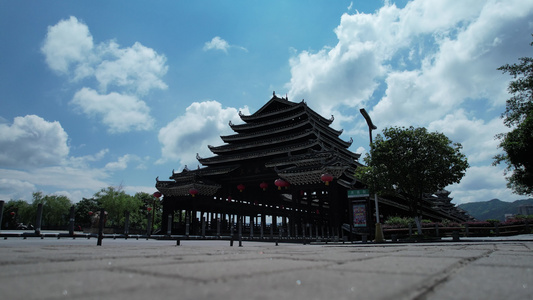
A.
x: 274, y: 93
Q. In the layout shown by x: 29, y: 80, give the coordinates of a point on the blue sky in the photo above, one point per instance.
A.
x: 116, y: 93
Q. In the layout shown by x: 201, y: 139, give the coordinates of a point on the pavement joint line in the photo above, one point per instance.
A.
x: 428, y: 287
x: 224, y: 279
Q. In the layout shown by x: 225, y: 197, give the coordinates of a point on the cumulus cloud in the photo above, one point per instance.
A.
x: 217, y: 43
x: 444, y: 45
x: 430, y: 64
x: 15, y: 189
x: 67, y: 43
x: 83, y: 161
x: 34, y: 153
x: 32, y: 141
x: 137, y: 67
x: 59, y: 177
x: 476, y: 135
x: 131, y: 72
x: 121, y: 113
x: 481, y: 183
x: 205, y: 122
x: 123, y: 161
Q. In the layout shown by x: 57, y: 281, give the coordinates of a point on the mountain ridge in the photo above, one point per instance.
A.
x: 494, y: 208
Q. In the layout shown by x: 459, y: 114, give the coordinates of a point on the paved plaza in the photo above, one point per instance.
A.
x: 69, y: 268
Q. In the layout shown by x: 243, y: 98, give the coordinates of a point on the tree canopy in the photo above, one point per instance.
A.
x: 518, y: 143
x: 55, y: 208
x: 412, y: 161
x: 116, y: 202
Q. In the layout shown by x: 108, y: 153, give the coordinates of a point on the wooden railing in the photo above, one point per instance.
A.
x: 464, y: 230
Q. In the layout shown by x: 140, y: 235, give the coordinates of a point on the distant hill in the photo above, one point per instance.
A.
x: 494, y: 209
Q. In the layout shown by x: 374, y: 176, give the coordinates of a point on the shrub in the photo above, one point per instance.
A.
x: 399, y: 221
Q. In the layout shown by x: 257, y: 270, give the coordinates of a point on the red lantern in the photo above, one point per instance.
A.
x: 263, y: 185
x: 327, y: 178
x: 149, y: 209
x: 157, y: 195
x: 241, y: 187
x: 193, y: 191
x: 12, y: 213
x: 90, y: 213
x: 281, y: 183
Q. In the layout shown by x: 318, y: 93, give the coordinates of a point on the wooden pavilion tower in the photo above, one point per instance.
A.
x: 284, y: 163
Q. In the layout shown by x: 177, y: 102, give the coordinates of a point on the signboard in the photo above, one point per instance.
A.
x: 359, y: 215
x: 358, y: 193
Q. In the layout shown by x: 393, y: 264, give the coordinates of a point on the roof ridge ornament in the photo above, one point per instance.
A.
x: 230, y: 123
x: 332, y: 118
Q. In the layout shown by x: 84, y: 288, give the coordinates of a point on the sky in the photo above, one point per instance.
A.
x: 116, y: 93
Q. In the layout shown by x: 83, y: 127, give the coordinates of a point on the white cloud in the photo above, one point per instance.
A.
x: 34, y: 154
x: 80, y: 181
x: 202, y: 124
x: 15, y: 189
x: 430, y: 64
x: 131, y: 72
x: 137, y: 67
x: 217, y: 43
x: 476, y: 135
x: 33, y: 142
x: 121, y: 113
x: 481, y: 183
x: 122, y: 162
x: 83, y: 161
x: 68, y: 42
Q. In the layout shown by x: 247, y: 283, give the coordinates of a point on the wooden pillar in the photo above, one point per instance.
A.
x: 169, y: 222
x: 252, y: 226
x: 187, y: 223
x: 272, y: 227
x: 126, y: 223
x: 1, y: 212
x: 203, y: 224
x: 71, y: 221
x: 263, y: 222
x: 39, y: 218
x: 218, y: 227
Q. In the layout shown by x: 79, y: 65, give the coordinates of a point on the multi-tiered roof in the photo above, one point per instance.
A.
x: 283, y: 139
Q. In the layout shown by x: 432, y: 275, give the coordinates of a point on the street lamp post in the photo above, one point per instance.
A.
x: 379, y: 230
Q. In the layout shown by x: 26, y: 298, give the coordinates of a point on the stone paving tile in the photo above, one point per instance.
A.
x: 151, y: 269
x: 219, y: 270
x: 508, y: 259
x: 60, y: 285
x: 293, y: 284
x: 487, y: 282
x: 400, y: 265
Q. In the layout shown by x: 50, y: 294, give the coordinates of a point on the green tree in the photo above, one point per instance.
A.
x: 82, y: 210
x: 15, y: 212
x: 116, y: 202
x: 56, y: 209
x: 409, y: 162
x: 518, y: 143
x: 139, y: 219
